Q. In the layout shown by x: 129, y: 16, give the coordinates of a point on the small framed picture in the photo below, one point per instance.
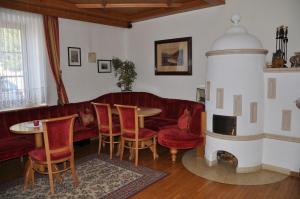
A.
x: 92, y: 57
x: 74, y: 56
x: 104, y: 66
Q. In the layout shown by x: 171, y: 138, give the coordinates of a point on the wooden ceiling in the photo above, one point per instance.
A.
x: 120, y: 13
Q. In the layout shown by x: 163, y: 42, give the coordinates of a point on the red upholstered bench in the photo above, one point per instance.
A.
x: 171, y: 110
x: 14, y: 147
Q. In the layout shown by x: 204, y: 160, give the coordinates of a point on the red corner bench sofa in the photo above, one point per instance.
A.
x: 15, y: 145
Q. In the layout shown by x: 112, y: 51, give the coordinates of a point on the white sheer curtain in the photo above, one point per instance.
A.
x: 22, y: 59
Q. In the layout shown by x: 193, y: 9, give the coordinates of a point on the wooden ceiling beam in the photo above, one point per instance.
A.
x: 214, y: 2
x: 188, y: 6
x: 17, y: 5
x: 63, y: 5
x: 128, y: 5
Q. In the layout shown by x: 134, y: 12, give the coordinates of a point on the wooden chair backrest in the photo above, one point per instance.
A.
x: 128, y: 119
x: 104, y: 116
x: 58, y: 135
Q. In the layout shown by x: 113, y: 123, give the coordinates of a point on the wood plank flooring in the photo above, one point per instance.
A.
x: 180, y: 183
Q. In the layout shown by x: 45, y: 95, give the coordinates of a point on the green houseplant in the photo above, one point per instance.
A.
x: 125, y: 71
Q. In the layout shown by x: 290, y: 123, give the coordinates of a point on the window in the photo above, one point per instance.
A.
x: 22, y: 59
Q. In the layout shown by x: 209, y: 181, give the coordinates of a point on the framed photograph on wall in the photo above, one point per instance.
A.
x: 74, y: 56
x: 173, y: 56
x: 104, y: 66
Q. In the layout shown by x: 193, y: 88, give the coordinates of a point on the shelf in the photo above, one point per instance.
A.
x: 281, y: 70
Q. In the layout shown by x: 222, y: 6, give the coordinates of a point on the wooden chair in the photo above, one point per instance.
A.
x: 58, y: 141
x: 137, y: 138
x: 106, y: 127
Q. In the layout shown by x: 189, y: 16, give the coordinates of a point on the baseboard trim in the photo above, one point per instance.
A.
x: 248, y: 169
x: 295, y: 174
x: 276, y: 169
x: 259, y: 167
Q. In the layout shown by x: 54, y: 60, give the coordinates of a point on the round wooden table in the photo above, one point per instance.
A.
x: 142, y: 113
x: 29, y: 128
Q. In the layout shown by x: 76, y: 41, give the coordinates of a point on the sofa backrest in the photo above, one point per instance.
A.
x: 171, y: 108
x: 10, y: 118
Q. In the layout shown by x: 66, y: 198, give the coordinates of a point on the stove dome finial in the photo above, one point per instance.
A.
x: 235, y: 19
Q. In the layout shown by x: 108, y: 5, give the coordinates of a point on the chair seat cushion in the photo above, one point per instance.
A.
x: 176, y: 138
x: 143, y: 133
x: 40, y: 154
x: 115, y: 130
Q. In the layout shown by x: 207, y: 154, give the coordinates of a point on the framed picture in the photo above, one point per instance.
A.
x: 104, y: 66
x: 74, y: 56
x: 92, y: 57
x: 173, y: 56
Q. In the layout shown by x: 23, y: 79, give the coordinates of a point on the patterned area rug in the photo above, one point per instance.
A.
x: 98, y: 178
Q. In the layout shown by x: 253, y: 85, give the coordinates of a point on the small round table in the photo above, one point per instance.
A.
x: 29, y: 128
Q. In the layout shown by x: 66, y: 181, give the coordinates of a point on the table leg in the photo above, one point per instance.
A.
x: 38, y: 138
x: 141, y: 121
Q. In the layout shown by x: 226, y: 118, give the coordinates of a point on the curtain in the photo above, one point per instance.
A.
x: 22, y: 59
x: 52, y: 41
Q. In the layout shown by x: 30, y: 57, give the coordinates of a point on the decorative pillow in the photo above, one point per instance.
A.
x: 184, y: 120
x: 87, y: 118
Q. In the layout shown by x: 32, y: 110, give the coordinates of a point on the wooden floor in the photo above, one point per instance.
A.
x: 180, y: 183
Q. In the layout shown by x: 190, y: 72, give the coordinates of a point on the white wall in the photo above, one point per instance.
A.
x: 85, y: 83
x: 261, y: 17
x: 287, y: 92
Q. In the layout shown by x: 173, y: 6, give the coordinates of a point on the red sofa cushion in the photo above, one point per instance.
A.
x: 87, y: 118
x: 84, y: 133
x: 156, y: 123
x: 174, y: 137
x: 184, y: 120
x: 13, y: 147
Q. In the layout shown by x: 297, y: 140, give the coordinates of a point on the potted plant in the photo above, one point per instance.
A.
x: 125, y: 71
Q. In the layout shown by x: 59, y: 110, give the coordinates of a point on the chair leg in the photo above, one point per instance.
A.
x: 119, y: 147
x: 122, y: 148
x: 173, y: 152
x: 136, y: 145
x: 51, y: 181
x: 32, y: 177
x: 65, y: 166
x: 27, y: 174
x: 111, y: 146
x: 74, y: 176
x: 99, y: 146
x: 154, y: 149
x: 56, y: 176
